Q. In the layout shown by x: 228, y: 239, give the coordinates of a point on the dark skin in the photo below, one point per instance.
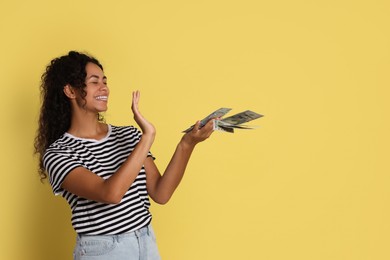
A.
x: 85, y: 124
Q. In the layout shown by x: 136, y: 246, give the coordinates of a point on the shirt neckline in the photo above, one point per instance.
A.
x: 91, y: 139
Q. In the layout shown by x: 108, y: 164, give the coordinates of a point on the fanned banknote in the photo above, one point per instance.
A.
x: 216, y: 114
x: 241, y: 118
x: 228, y: 124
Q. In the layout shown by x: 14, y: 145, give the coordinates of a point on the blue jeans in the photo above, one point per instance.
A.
x: 140, y: 245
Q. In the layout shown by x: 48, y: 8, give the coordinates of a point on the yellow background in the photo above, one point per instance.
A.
x: 311, y: 183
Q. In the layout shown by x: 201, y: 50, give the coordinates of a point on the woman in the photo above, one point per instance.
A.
x: 105, y: 172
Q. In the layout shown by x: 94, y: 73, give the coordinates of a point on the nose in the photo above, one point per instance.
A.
x: 104, y: 87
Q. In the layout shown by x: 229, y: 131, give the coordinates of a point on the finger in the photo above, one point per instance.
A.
x: 135, y: 100
x: 136, y: 96
x: 196, y: 127
x: 210, y: 124
x: 208, y: 128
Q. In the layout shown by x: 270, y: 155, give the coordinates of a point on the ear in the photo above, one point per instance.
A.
x: 69, y: 91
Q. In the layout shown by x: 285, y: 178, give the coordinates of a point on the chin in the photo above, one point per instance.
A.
x: 102, y: 110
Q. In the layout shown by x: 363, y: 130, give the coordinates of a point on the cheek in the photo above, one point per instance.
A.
x: 81, y: 101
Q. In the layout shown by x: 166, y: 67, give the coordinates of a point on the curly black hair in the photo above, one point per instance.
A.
x: 55, y: 113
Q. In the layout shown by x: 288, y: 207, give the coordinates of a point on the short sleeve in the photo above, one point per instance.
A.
x: 58, y: 164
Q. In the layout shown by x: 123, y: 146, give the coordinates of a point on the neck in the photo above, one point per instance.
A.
x: 87, y: 126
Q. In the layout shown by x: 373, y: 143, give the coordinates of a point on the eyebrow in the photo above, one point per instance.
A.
x: 96, y: 76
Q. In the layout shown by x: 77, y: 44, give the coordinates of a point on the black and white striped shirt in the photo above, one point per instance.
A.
x: 102, y: 157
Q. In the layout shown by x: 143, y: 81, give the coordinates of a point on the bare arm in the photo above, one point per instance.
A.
x: 86, y: 184
x: 161, y: 188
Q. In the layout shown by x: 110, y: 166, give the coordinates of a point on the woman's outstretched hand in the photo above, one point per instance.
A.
x: 199, y: 134
x: 146, y: 127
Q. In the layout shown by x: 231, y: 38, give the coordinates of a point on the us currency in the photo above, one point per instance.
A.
x: 227, y: 127
x: 241, y: 118
x: 228, y: 124
x: 216, y: 114
x: 217, y: 125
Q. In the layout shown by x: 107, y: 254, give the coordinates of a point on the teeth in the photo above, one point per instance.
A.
x: 101, y: 97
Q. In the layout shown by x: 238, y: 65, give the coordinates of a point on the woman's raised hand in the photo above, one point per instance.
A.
x: 146, y: 127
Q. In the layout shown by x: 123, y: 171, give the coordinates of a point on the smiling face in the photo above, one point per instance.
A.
x: 96, y: 88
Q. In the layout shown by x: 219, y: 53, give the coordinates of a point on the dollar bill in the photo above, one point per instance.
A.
x: 241, y: 118
x: 216, y: 114
x: 230, y: 123
x: 226, y: 127
x: 217, y: 125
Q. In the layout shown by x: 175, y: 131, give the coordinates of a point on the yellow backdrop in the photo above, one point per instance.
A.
x: 311, y: 183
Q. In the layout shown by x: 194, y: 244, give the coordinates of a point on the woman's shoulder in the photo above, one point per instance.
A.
x: 124, y: 129
x: 63, y: 143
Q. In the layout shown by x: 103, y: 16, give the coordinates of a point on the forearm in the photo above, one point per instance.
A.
x: 161, y: 188
x: 118, y: 184
x: 174, y: 172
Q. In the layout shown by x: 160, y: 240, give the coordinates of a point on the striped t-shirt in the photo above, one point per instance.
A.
x: 102, y: 157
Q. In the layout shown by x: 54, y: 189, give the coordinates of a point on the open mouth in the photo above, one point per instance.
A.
x: 102, y: 98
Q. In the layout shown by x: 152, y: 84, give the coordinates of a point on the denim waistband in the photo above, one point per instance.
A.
x: 136, y: 233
